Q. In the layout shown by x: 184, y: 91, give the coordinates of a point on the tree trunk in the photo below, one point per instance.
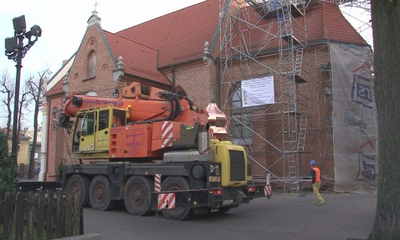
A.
x: 35, y: 128
x: 9, y: 116
x: 386, y: 26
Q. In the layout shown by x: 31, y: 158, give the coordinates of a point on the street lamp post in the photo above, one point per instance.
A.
x: 16, y: 50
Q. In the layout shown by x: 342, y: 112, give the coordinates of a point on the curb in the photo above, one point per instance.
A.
x: 90, y: 236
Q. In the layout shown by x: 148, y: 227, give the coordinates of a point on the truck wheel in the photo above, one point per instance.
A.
x: 80, y: 184
x: 175, y: 184
x: 137, y: 195
x: 100, y: 194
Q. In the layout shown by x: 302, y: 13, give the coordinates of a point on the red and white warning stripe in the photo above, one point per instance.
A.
x: 157, y: 182
x: 167, y: 134
x: 166, y: 201
x: 267, y: 190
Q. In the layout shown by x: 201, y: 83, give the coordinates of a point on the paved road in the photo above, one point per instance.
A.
x: 343, y: 216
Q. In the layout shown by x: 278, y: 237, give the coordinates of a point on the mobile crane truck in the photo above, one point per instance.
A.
x: 152, y: 149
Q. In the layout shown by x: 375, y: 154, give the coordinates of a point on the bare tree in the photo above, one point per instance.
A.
x: 7, y: 86
x: 24, y: 102
x: 35, y: 89
x: 386, y: 30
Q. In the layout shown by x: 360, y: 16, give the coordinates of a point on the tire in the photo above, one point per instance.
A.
x: 80, y: 184
x: 100, y: 194
x: 137, y: 195
x: 174, y: 184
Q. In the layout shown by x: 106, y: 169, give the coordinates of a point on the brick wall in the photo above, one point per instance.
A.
x: 198, y: 79
x: 269, y: 122
x: 102, y: 83
x: 195, y: 79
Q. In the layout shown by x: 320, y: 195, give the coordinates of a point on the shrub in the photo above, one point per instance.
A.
x: 7, y: 168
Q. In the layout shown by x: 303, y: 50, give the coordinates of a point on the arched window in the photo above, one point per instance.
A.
x: 91, y: 93
x: 179, y: 90
x: 92, y: 65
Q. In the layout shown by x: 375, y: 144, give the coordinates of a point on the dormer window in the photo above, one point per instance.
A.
x: 92, y: 65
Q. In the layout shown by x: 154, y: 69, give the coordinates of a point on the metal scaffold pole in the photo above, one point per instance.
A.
x: 266, y: 38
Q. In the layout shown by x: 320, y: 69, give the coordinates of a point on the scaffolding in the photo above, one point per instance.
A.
x: 269, y: 38
x: 324, y: 104
x: 266, y: 38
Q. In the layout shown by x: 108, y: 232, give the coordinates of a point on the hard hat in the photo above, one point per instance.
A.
x: 313, y: 162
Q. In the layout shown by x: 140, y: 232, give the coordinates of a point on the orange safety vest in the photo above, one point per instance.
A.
x: 317, y: 174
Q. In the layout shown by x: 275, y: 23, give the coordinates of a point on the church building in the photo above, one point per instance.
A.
x: 293, y: 77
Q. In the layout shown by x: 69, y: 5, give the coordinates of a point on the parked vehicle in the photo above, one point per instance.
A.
x: 152, y: 149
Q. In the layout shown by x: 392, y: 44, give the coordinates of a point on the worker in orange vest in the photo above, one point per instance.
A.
x: 316, y: 182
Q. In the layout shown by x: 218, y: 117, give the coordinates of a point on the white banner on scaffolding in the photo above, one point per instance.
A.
x: 355, y: 127
x: 258, y: 91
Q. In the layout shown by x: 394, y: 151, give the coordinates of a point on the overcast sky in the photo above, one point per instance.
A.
x: 361, y: 21
x: 64, y: 23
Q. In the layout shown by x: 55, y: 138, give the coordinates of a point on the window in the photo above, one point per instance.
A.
x: 179, y: 90
x: 92, y: 65
x: 77, y: 133
x: 103, y: 119
x: 119, y: 118
x: 88, y: 124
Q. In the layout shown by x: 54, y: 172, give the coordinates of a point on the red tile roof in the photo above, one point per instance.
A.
x: 323, y: 22
x: 180, y: 36
x: 326, y: 21
x: 139, y: 60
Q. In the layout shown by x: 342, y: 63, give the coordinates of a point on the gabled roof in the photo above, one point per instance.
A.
x: 326, y: 21
x: 139, y: 60
x: 57, y: 88
x: 55, y: 85
x: 180, y: 35
x: 321, y: 23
